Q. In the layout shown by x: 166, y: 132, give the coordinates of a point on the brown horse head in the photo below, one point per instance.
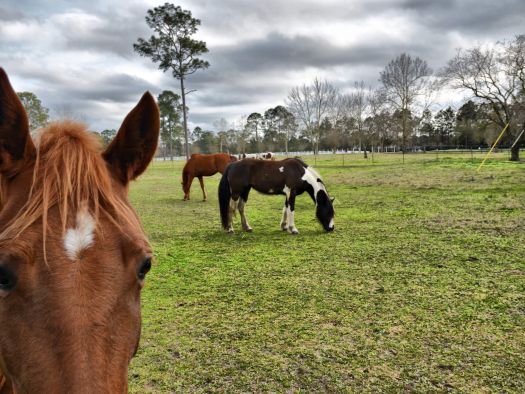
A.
x: 73, y: 255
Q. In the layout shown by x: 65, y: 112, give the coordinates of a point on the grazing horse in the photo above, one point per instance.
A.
x: 203, y: 165
x: 73, y: 254
x: 290, y: 177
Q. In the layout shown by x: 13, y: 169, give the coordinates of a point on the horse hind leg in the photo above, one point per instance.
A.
x: 244, y: 220
x: 284, y: 220
x: 231, y: 211
x: 204, y: 194
x: 291, y: 213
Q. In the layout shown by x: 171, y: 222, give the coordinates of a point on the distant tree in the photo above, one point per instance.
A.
x: 466, y: 123
x: 196, y: 134
x: 404, y: 79
x: 331, y: 136
x: 378, y: 120
x: 173, y: 48
x: 402, y: 126
x: 221, y: 125
x: 38, y: 114
x: 222, y: 136
x: 426, y: 129
x: 287, y: 126
x: 280, y: 126
x: 206, y: 141
x: 254, y: 123
x: 170, y: 114
x: 242, y: 134
x: 107, y: 136
x: 311, y: 104
x: 444, y: 125
x: 232, y: 139
x: 357, y: 106
x: 494, y: 75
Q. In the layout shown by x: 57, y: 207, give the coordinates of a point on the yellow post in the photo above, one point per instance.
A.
x: 493, y: 146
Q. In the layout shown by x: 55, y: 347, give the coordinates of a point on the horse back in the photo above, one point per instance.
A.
x: 265, y: 176
x: 206, y: 164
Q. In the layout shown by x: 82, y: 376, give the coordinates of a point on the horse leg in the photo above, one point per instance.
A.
x: 231, y: 211
x: 204, y: 195
x: 188, y: 187
x: 284, y: 223
x: 242, y: 202
x: 290, y: 214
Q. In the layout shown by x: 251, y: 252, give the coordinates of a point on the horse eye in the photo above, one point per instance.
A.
x: 7, y: 280
x: 144, y: 268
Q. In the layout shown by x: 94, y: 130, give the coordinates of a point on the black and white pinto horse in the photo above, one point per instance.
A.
x: 262, y: 156
x: 289, y: 177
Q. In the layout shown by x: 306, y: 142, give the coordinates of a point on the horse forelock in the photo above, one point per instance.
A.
x: 69, y: 173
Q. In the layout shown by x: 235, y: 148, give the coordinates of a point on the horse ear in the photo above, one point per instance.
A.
x: 16, y: 145
x: 332, y: 199
x: 132, y: 149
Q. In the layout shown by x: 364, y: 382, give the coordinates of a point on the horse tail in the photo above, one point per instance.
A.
x: 224, y: 197
x: 184, y: 176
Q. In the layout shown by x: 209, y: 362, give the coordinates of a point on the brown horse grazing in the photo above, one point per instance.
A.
x: 73, y: 255
x: 289, y: 177
x: 203, y: 165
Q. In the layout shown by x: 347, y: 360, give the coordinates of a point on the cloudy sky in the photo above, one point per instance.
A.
x: 77, y: 55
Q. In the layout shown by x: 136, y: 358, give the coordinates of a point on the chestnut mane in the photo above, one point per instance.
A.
x: 69, y: 173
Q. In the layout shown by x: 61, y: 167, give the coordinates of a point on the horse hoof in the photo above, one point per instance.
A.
x: 293, y: 231
x: 249, y: 230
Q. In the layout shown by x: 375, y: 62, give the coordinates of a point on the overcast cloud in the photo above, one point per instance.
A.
x: 77, y: 56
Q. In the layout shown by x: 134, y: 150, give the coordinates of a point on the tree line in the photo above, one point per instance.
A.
x: 396, y: 115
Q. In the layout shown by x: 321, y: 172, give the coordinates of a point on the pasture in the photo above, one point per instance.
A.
x: 420, y: 288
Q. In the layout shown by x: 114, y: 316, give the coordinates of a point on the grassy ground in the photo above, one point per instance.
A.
x: 420, y: 288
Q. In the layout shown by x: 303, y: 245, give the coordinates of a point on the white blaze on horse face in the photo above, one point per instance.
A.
x: 81, y: 237
x: 331, y: 224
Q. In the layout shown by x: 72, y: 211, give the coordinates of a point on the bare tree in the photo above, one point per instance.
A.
x: 311, y: 104
x: 377, y: 123
x: 221, y: 125
x: 357, y: 107
x: 496, y: 76
x: 405, y: 79
x: 244, y: 132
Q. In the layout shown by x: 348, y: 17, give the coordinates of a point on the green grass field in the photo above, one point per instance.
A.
x: 421, y: 288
